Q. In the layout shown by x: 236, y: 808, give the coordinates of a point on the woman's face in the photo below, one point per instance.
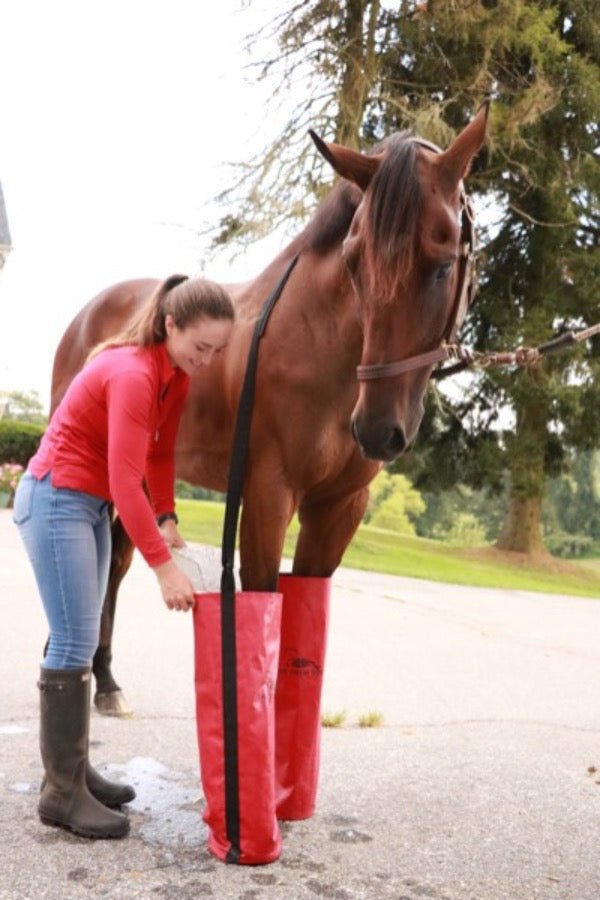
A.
x: 198, y: 343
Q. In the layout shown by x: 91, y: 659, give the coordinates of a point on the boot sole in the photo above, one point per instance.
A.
x: 84, y: 832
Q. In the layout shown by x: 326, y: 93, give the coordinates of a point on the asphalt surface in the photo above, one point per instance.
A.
x: 483, y: 783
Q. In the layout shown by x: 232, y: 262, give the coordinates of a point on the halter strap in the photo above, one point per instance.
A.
x: 463, y: 299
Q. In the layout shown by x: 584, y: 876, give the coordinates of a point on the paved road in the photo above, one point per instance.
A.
x: 481, y: 785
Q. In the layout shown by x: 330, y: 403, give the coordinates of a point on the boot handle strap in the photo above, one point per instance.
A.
x: 49, y: 687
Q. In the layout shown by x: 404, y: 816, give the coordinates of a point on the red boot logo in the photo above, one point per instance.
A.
x: 293, y: 663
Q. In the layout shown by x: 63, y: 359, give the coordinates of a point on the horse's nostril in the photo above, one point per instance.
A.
x: 397, y: 441
x: 384, y: 444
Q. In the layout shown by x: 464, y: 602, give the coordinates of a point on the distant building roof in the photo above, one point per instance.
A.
x: 5, y: 239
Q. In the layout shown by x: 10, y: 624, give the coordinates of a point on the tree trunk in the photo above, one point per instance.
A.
x: 359, y: 64
x: 522, y: 528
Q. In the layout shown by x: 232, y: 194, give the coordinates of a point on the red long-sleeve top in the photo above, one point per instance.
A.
x: 115, y: 426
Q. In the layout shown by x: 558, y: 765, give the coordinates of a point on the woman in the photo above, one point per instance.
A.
x: 114, y: 428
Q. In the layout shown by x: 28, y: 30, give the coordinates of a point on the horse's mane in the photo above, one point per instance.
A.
x: 393, y: 205
x: 332, y: 219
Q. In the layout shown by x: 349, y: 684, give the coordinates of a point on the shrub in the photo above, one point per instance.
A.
x: 571, y: 546
x: 466, y: 530
x: 19, y: 440
x: 394, y: 503
x: 186, y: 491
x: 9, y: 477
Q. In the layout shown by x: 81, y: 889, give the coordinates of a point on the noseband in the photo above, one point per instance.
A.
x: 464, y: 295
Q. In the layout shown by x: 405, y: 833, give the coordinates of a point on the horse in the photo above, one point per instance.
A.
x: 382, y: 275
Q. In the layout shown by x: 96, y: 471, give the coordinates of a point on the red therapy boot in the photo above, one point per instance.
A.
x: 235, y: 686
x: 304, y: 621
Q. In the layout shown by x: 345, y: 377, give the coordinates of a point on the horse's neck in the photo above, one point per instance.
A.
x: 321, y: 305
x: 316, y: 316
x: 320, y: 285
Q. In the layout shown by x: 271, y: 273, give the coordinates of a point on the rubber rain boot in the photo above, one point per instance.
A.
x: 64, y: 733
x: 304, y: 622
x: 111, y: 793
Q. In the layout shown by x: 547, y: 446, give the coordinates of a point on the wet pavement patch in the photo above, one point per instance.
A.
x: 349, y: 836
x: 170, y: 814
x: 330, y: 891
x: 13, y: 729
x: 301, y: 862
x: 77, y: 874
x: 258, y: 878
x: 24, y: 787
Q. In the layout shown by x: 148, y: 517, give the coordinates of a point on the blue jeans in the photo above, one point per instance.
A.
x: 67, y: 538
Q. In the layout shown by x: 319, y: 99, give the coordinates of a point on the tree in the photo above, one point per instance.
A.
x: 425, y: 66
x: 331, y: 48
x: 24, y: 406
x: 540, y: 63
x: 571, y: 509
x: 394, y: 504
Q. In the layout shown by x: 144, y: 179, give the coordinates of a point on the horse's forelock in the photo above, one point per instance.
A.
x: 392, y: 211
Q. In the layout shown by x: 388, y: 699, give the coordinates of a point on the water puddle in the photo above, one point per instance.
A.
x: 24, y: 787
x: 171, y: 808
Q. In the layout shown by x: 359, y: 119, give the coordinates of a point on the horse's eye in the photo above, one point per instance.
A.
x: 443, y: 271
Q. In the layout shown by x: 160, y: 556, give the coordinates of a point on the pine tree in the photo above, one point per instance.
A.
x: 331, y: 48
x: 372, y: 68
x: 540, y: 62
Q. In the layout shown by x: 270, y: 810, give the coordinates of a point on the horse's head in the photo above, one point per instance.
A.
x: 406, y: 256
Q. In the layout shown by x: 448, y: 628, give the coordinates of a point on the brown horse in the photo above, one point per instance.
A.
x: 380, y: 277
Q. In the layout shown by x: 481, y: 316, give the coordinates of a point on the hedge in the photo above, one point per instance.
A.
x: 19, y: 440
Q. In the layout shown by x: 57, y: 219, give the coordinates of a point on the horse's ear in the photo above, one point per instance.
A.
x: 455, y: 162
x: 350, y: 164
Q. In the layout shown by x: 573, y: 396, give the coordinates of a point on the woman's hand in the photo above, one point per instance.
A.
x: 176, y: 587
x: 171, y: 535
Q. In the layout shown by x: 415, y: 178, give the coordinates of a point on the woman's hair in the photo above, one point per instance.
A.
x: 185, y: 299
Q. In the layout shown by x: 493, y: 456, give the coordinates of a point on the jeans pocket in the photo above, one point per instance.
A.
x: 23, y: 502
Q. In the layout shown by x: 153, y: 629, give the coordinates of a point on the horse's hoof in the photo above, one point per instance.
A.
x: 112, y: 703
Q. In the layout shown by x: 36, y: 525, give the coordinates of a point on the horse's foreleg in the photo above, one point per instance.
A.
x: 327, y: 527
x: 266, y: 513
x: 109, y: 698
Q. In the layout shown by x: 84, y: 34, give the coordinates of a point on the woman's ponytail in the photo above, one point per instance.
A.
x: 185, y: 299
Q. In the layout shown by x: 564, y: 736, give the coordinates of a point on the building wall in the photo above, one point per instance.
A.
x: 5, y: 239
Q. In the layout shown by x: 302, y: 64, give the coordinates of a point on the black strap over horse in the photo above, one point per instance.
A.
x: 235, y: 485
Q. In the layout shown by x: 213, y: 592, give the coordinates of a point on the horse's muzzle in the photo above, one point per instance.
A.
x: 384, y: 444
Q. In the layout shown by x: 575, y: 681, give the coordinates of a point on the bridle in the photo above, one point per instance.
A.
x: 465, y: 292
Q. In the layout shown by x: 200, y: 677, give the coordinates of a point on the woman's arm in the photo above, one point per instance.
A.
x: 160, y: 464
x: 129, y: 398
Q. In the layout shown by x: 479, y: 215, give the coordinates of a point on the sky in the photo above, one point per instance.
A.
x: 117, y: 122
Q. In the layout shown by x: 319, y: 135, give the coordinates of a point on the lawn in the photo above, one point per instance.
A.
x: 383, y: 551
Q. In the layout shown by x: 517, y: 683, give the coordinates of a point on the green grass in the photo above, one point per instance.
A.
x: 334, y: 720
x: 383, y: 551
x: 371, y: 719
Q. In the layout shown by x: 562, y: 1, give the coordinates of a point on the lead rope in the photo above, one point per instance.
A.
x: 522, y: 356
